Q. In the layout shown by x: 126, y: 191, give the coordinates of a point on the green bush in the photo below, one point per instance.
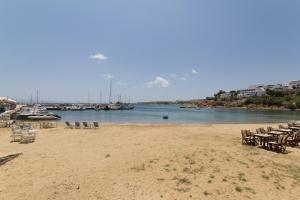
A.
x: 291, y: 106
x: 254, y: 100
x: 275, y: 101
x: 297, y: 103
x: 276, y: 93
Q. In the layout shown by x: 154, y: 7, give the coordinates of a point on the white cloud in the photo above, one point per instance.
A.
x: 158, y: 82
x: 108, y: 76
x: 98, y: 56
x: 194, y: 71
x: 183, y: 78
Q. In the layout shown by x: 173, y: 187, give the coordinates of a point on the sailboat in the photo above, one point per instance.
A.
x: 119, y: 105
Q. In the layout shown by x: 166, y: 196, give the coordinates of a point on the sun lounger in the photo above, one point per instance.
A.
x: 86, y: 125
x: 48, y: 125
x: 77, y: 125
x: 96, y: 124
x: 69, y: 125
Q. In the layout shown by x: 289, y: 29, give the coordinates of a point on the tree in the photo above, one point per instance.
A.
x: 297, y: 103
x: 217, y: 96
x: 233, y: 94
x: 291, y: 106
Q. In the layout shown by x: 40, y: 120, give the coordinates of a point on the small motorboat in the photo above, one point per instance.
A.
x: 35, y: 113
x: 44, y: 117
x: 165, y: 117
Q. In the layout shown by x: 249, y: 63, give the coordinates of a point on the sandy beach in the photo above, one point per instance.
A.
x: 147, y: 162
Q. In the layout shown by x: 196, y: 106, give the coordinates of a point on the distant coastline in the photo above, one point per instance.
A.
x: 200, y: 104
x: 262, y: 97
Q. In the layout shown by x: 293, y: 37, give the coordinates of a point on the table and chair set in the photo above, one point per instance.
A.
x: 23, y: 134
x: 275, y: 139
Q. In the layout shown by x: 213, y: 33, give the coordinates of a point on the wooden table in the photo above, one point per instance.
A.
x: 276, y: 133
x: 263, y: 138
x: 295, y: 128
x: 285, y: 130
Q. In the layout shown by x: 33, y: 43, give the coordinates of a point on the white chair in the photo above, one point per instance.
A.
x: 3, y: 124
x: 28, y: 136
x: 16, y: 134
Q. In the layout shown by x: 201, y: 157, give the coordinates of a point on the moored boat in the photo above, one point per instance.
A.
x: 35, y: 113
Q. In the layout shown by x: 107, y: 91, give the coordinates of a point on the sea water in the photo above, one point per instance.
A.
x: 153, y: 113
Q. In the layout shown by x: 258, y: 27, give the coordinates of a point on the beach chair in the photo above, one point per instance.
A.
x: 16, y: 134
x: 3, y: 124
x: 26, y: 126
x: 280, y: 144
x: 69, y: 125
x: 86, y: 125
x: 252, y: 138
x: 293, y: 139
x: 96, y: 124
x: 273, y: 145
x: 260, y: 131
x: 269, y: 129
x: 292, y: 123
x: 282, y: 127
x: 28, y: 136
x: 282, y: 147
x: 10, y: 123
x: 247, y: 138
x: 77, y: 125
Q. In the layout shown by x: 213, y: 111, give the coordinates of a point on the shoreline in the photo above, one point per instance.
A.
x: 185, y: 124
x: 254, y: 108
x: 62, y: 123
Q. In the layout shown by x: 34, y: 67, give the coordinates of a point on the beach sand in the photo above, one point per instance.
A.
x: 147, y: 162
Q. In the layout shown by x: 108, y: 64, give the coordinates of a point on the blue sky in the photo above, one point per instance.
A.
x: 151, y: 49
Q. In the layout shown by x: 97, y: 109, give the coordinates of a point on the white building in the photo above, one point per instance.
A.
x: 294, y: 84
x: 275, y: 87
x: 252, y: 91
x: 226, y: 95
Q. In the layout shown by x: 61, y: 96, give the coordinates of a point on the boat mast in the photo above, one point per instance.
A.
x: 37, y: 96
x: 100, y: 97
x: 110, y: 88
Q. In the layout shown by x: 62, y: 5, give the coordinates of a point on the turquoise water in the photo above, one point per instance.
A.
x: 154, y: 113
